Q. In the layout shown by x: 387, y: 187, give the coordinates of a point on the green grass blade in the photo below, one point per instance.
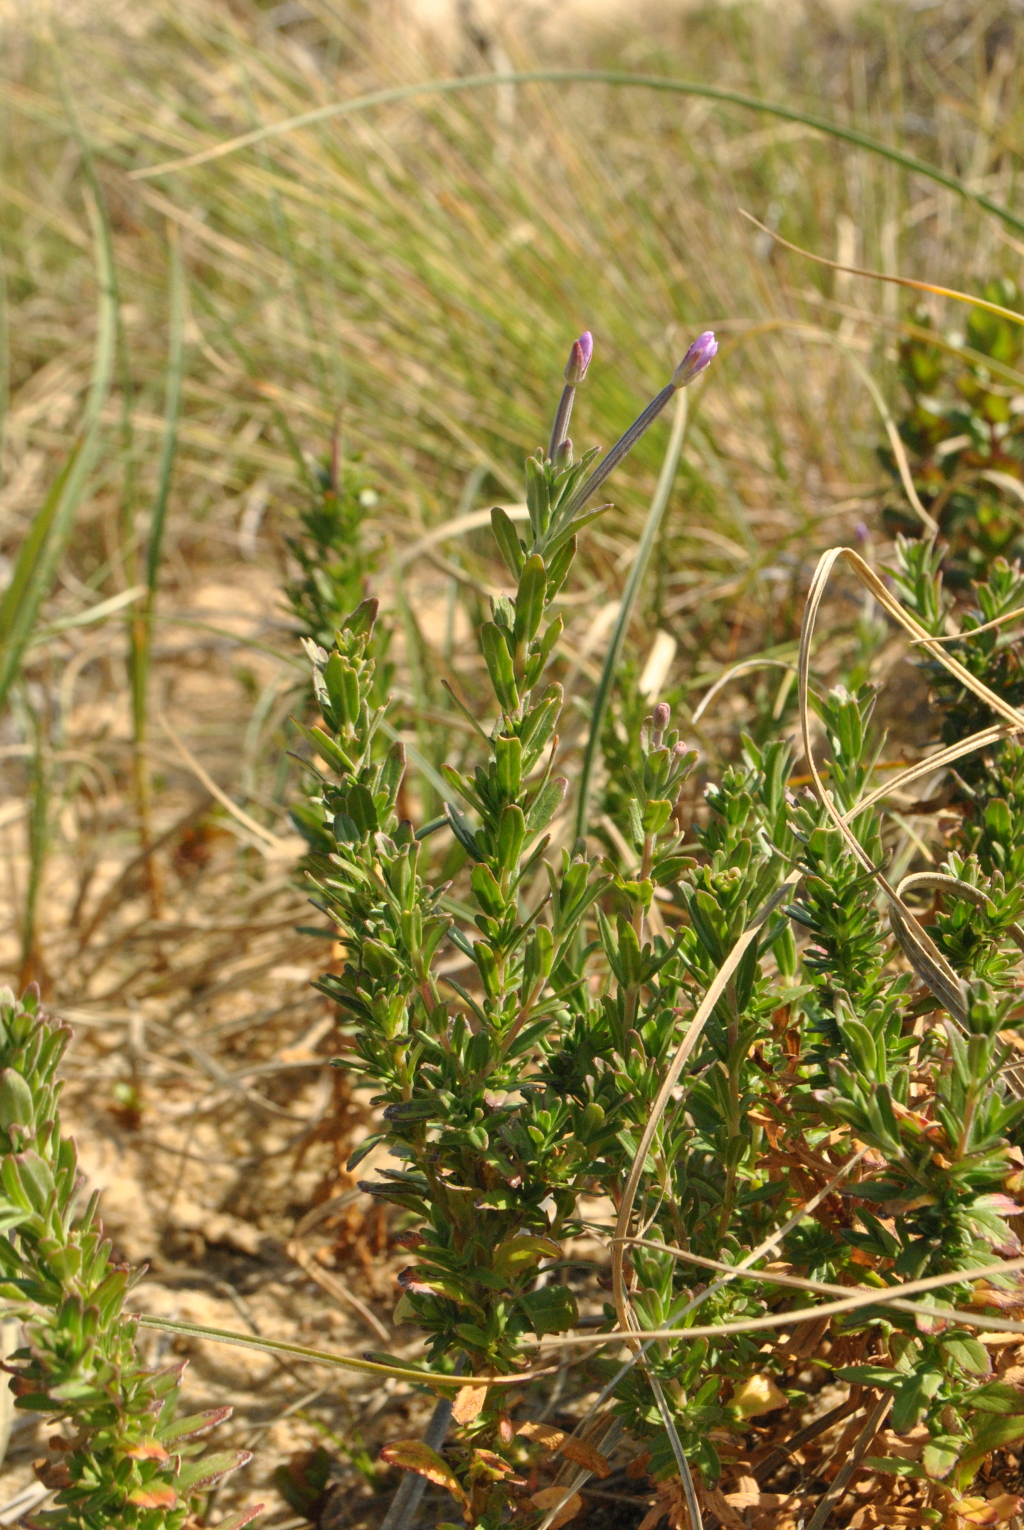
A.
x: 399, y: 1371
x: 90, y: 616
x: 615, y: 77
x: 36, y: 562
x: 38, y: 839
x: 5, y: 353
x: 636, y: 575
x: 172, y: 410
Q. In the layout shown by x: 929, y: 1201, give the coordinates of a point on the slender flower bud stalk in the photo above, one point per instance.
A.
x: 699, y: 356
x: 575, y: 371
x: 623, y: 446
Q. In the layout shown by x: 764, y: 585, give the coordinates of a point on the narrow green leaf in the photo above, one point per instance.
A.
x: 507, y: 538
x: 530, y: 598
x: 499, y: 666
x: 40, y: 552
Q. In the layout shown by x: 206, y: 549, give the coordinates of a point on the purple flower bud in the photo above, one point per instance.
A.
x: 862, y: 533
x: 701, y: 353
x: 660, y: 719
x: 579, y: 359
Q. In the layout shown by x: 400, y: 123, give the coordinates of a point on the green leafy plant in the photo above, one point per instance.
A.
x: 964, y: 432
x: 334, y: 560
x: 126, y: 1458
x: 518, y: 1030
x: 712, y: 1025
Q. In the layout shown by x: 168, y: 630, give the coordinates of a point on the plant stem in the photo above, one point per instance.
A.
x: 405, y: 1504
x: 636, y: 574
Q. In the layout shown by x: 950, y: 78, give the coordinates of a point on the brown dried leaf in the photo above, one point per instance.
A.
x: 988, y: 1511
x: 52, y: 1474
x: 758, y: 1394
x: 547, y: 1498
x: 469, y: 1402
x: 984, y: 1295
x: 147, y: 1450
x: 414, y: 1456
x: 577, y: 1451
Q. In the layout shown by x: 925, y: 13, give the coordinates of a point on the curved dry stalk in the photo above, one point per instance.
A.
x: 939, y: 882
x: 731, y: 674
x: 782, y: 1320
x: 882, y: 276
x: 683, y: 1052
x: 881, y: 1296
x: 993, y: 735
x: 867, y: 1298
x: 1007, y: 616
x: 920, y: 950
x: 861, y: 1446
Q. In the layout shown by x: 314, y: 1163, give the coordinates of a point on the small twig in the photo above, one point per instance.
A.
x: 272, y: 841
x: 781, y: 1454
x: 406, y: 1502
x: 846, y: 1471
x: 327, y: 1282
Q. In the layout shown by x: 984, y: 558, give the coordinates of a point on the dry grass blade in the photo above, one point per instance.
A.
x: 861, y: 1447
x: 882, y: 276
x: 731, y: 674
x: 1003, y: 480
x: 936, y: 881
x: 865, y: 1298
x: 454, y: 528
x: 934, y: 762
x: 263, y: 835
x: 893, y: 1296
x: 672, y: 1077
x: 335, y: 1288
x: 926, y: 959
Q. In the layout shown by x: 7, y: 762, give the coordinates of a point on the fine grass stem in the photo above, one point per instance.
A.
x: 140, y: 624
x: 614, y: 77
x: 637, y: 571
